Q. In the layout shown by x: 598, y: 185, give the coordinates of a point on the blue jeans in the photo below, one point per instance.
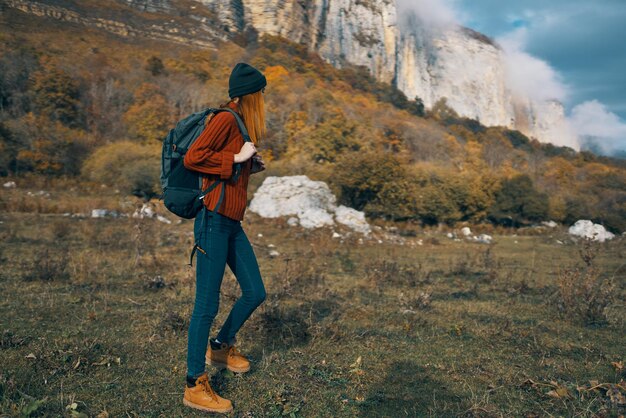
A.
x: 222, y: 241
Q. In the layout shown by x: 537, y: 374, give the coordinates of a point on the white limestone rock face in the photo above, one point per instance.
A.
x: 459, y: 65
x: 308, y: 203
x: 454, y: 62
x: 586, y: 229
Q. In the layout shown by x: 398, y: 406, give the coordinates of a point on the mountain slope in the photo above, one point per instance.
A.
x: 330, y: 124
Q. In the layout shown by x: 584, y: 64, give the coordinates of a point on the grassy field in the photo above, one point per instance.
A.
x: 94, y: 316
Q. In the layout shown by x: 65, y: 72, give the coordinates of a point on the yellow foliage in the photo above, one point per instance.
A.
x: 595, y: 170
x: 506, y: 170
x: 559, y: 171
x: 296, y: 123
x: 274, y: 73
x: 177, y: 65
x: 473, y: 157
x: 126, y: 165
x: 149, y: 118
x: 268, y: 156
x: 557, y: 208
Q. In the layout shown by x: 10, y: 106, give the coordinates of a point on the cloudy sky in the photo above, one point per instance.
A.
x: 574, y: 49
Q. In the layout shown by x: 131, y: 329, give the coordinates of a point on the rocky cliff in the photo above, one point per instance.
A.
x: 457, y: 63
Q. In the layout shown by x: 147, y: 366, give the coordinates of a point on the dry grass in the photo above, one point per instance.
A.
x: 98, y: 326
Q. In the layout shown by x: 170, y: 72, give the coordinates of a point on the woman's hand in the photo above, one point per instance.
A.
x: 246, y: 152
x: 257, y: 164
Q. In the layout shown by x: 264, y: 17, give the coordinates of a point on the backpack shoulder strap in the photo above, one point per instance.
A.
x: 244, y: 133
x: 240, y: 124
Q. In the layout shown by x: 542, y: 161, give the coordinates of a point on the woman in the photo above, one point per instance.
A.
x: 220, y: 237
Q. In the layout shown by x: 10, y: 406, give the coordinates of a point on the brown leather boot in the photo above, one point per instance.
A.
x: 203, y: 397
x: 227, y: 356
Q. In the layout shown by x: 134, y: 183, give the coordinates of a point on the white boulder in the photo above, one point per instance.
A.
x: 309, y: 203
x: 483, y: 238
x: 9, y: 185
x: 587, y: 229
x: 466, y: 231
x: 352, y: 218
x: 549, y: 224
x: 315, y: 218
x: 145, y: 211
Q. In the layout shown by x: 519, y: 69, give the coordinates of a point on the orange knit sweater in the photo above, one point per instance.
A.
x: 213, y: 154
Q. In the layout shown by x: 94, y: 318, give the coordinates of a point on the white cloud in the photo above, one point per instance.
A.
x: 593, y: 119
x: 528, y: 75
x: 430, y: 12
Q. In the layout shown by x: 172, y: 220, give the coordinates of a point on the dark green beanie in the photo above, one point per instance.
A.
x: 245, y: 79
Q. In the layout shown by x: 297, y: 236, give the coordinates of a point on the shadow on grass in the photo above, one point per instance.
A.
x: 408, y: 390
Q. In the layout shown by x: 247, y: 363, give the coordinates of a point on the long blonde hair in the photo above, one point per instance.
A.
x: 251, y: 107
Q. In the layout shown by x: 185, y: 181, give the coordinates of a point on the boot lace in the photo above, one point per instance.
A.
x: 233, y: 352
x: 204, y: 381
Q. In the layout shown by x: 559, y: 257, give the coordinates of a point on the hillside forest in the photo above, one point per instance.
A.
x: 78, y: 103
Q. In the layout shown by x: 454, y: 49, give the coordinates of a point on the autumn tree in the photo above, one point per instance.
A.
x: 329, y: 138
x: 376, y: 183
x: 518, y: 202
x: 133, y: 168
x: 155, y: 66
x: 52, y: 148
x: 16, y: 67
x: 56, y: 95
x: 442, y: 111
x: 8, y: 150
x: 149, y: 117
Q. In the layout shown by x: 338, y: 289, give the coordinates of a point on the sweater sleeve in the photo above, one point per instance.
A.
x: 206, y: 154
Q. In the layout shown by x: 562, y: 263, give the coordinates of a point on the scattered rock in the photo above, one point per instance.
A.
x: 274, y: 253
x: 586, y: 229
x: 336, y: 235
x: 466, y: 231
x: 353, y: 219
x: 483, y: 238
x: 259, y: 235
x: 40, y: 193
x: 9, y: 185
x: 310, y: 204
x: 104, y: 213
x: 163, y: 219
x: 550, y: 224
x: 145, y: 211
